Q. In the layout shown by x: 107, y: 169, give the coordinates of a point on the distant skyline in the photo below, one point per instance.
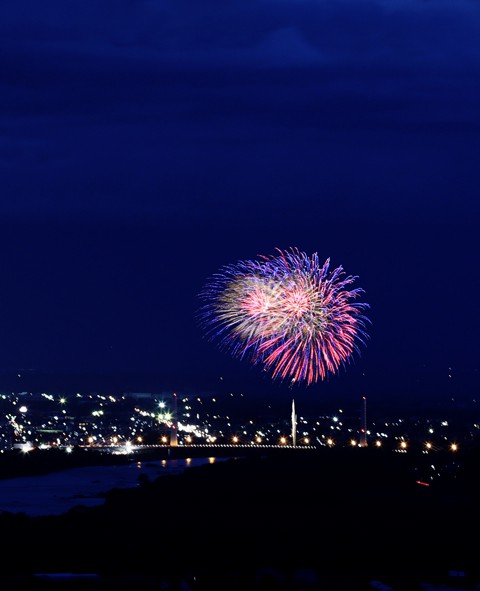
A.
x: 145, y: 145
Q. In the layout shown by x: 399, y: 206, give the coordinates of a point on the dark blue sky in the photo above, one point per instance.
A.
x: 146, y: 144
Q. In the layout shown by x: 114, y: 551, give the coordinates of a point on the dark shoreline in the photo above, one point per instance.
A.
x: 16, y: 462
x: 345, y: 515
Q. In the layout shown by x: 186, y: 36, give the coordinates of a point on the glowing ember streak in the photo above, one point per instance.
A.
x: 286, y: 312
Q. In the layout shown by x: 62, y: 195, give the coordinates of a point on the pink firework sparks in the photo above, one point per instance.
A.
x: 287, y: 313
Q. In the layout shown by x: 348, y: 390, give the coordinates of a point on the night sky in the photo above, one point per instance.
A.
x: 146, y: 144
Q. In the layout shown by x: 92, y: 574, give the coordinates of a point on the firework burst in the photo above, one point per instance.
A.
x: 286, y: 312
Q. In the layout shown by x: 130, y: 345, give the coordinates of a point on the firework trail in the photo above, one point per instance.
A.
x: 286, y: 312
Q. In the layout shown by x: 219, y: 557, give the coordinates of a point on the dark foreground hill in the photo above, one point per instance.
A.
x: 350, y: 516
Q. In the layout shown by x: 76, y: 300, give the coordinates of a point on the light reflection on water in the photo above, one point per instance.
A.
x: 56, y: 493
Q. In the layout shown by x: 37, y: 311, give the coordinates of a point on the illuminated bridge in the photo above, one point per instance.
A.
x: 199, y: 450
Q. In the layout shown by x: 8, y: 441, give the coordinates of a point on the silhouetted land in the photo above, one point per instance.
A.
x: 351, y: 515
x: 35, y: 462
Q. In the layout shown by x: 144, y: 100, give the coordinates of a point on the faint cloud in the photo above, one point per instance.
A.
x: 286, y: 47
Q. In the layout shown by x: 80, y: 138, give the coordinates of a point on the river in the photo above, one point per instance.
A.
x: 56, y: 493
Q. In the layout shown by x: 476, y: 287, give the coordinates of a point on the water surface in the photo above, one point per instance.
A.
x: 56, y: 493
